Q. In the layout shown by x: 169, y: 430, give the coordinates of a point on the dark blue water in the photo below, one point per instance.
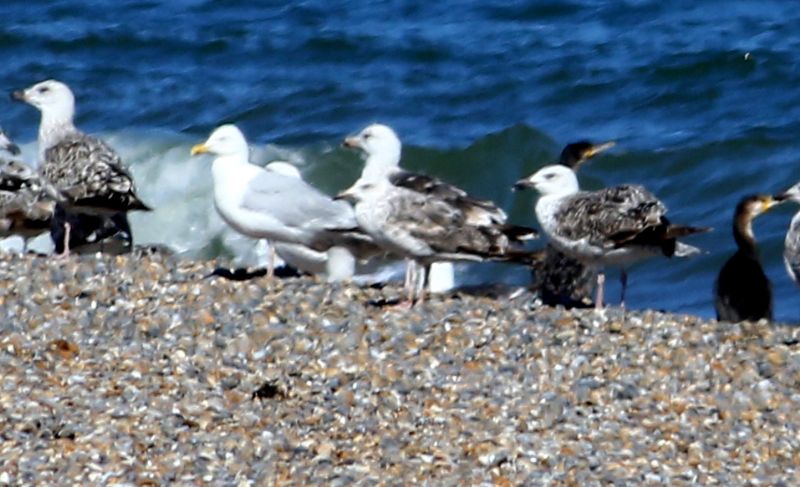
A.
x: 701, y: 97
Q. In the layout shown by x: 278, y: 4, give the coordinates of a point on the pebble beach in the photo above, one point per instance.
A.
x: 139, y: 370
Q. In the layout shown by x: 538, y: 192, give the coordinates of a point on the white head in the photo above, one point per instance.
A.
x: 53, y: 98
x: 379, y: 142
x: 552, y: 180
x: 364, y: 190
x: 284, y: 169
x: 225, y: 140
x: 791, y: 194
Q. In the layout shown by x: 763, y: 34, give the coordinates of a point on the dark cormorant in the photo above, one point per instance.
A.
x: 743, y: 291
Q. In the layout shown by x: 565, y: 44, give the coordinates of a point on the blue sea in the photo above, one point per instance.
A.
x: 701, y: 96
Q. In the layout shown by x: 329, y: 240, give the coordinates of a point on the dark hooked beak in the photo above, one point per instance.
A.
x: 18, y: 95
x: 522, y: 184
x: 351, y: 143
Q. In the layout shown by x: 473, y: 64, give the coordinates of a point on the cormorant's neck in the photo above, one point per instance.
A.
x: 743, y: 234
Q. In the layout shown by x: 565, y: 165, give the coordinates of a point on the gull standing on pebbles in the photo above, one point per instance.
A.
x: 615, y: 226
x: 25, y: 210
x: 791, y: 245
x: 308, y: 260
x: 742, y: 290
x: 81, y: 173
x: 561, y: 279
x: 426, y: 229
x: 266, y: 204
x: 383, y: 149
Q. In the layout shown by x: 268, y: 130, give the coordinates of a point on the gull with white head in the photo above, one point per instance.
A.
x: 425, y: 229
x: 382, y: 172
x: 81, y: 173
x: 274, y: 205
x: 616, y: 226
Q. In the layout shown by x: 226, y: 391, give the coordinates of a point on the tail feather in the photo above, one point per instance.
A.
x: 678, y: 231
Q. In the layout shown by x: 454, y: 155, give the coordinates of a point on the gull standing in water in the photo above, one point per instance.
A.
x: 614, y: 226
x: 383, y: 150
x: 742, y: 290
x: 267, y: 204
x: 80, y: 172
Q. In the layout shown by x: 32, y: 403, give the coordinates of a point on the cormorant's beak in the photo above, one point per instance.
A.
x: 598, y: 148
x: 18, y: 95
x: 199, y: 149
x: 769, y: 202
x: 351, y: 143
x: 522, y: 184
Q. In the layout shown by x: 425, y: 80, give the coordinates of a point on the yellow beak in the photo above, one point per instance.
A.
x: 768, y: 203
x: 199, y: 149
x: 596, y: 149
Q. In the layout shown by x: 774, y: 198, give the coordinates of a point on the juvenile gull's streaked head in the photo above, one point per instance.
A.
x: 551, y: 180
x: 53, y: 98
x: 380, y: 143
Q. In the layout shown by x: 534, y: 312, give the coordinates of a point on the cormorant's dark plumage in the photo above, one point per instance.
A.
x: 742, y: 290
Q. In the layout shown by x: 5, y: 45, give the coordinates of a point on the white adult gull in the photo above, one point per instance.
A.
x: 383, y: 150
x: 337, y: 263
x: 81, y: 172
x: 262, y: 203
x: 616, y: 226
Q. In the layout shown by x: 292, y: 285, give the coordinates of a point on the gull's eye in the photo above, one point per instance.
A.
x: 367, y: 135
x: 43, y: 89
x: 549, y: 176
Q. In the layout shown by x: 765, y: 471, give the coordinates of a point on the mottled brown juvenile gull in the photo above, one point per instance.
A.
x: 742, y: 290
x: 616, y: 226
x: 559, y: 278
x: 426, y: 229
x: 266, y: 204
x: 25, y: 210
x: 383, y: 149
x: 81, y: 172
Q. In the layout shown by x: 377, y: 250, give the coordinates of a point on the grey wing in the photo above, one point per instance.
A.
x: 600, y: 215
x: 296, y: 203
x: 791, y: 250
x: 478, y: 212
x: 87, y: 172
